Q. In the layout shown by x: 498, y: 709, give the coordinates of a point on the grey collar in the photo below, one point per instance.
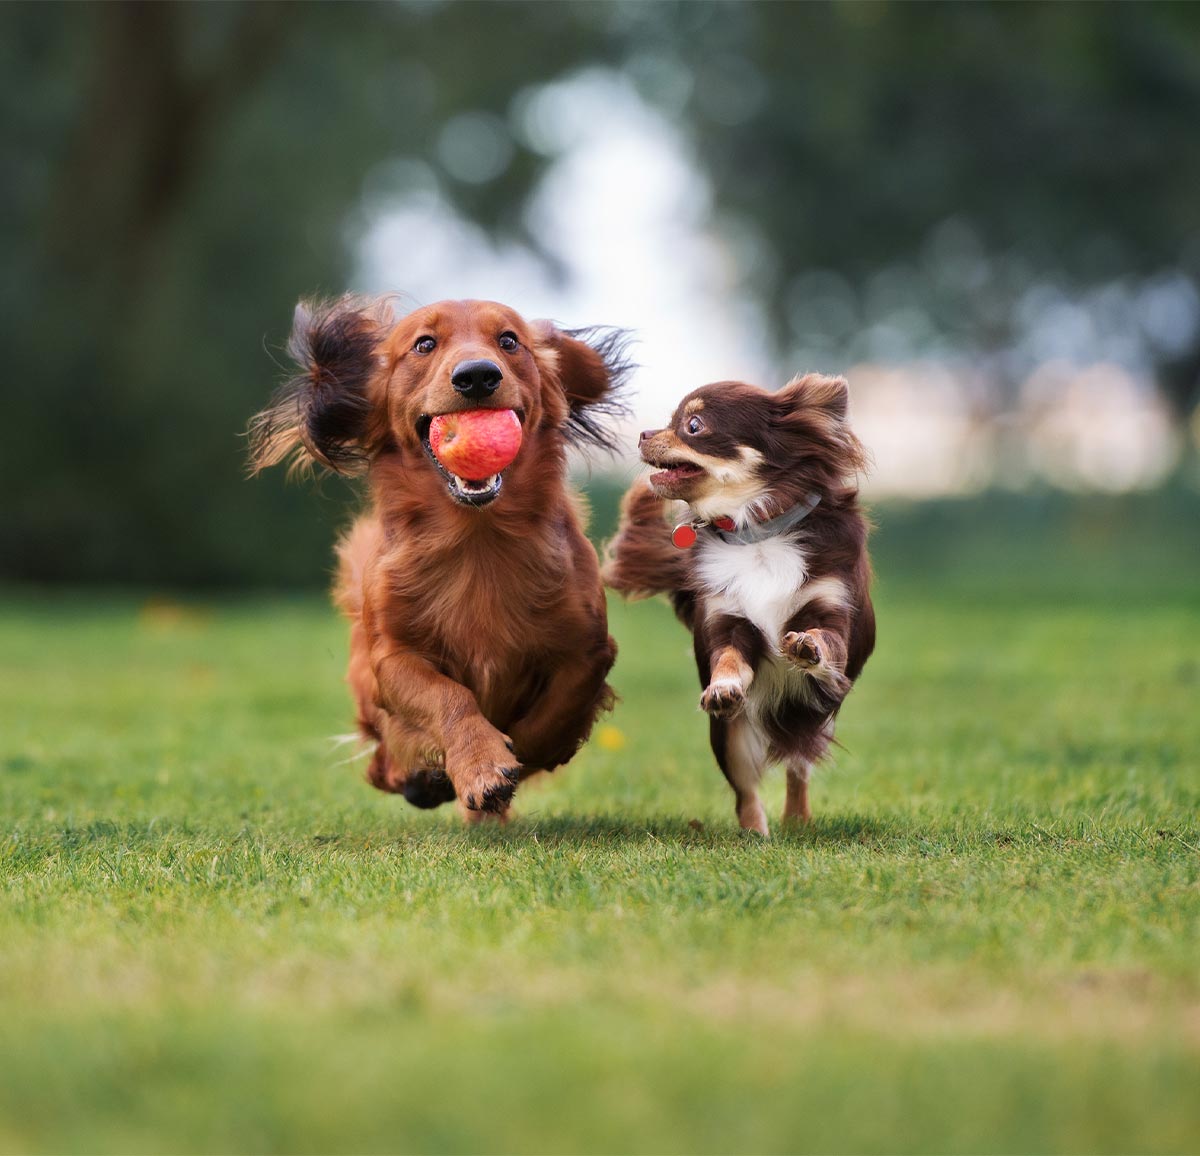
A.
x: 752, y: 532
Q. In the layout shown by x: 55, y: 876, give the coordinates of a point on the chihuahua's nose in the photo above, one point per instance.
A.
x: 647, y: 434
x: 476, y: 379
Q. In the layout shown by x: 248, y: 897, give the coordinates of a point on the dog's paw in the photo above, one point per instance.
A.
x: 492, y: 791
x: 802, y: 648
x: 485, y: 773
x: 428, y: 788
x: 724, y: 699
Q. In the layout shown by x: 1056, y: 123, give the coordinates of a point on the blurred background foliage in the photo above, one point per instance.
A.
x: 976, y: 183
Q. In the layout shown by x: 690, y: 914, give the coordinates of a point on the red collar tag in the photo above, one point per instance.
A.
x: 683, y: 536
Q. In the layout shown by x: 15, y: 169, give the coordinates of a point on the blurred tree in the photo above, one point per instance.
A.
x: 176, y: 175
x: 936, y: 162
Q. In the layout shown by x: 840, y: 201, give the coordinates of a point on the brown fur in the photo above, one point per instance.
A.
x: 479, y: 645
x: 735, y: 450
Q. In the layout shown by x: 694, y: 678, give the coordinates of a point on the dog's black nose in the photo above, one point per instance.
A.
x: 477, y: 379
x: 647, y: 434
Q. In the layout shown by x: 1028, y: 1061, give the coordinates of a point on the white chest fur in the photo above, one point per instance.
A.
x: 768, y: 584
x: 763, y: 583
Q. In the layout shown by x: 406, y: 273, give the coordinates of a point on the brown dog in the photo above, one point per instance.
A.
x: 768, y: 568
x: 479, y: 640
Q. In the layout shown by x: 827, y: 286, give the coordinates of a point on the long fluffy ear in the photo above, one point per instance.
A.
x: 593, y: 367
x: 820, y: 405
x: 322, y: 414
x: 827, y: 395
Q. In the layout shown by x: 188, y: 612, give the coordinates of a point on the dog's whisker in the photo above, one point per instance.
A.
x: 358, y: 756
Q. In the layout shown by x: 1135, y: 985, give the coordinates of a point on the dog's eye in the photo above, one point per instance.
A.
x: 695, y: 425
x: 508, y: 342
x: 425, y: 344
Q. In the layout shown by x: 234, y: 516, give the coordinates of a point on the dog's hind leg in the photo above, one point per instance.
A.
x: 796, y: 811
x: 812, y: 741
x: 406, y: 763
x: 423, y: 787
x: 742, y: 755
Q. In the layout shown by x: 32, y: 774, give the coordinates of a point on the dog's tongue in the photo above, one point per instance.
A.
x: 475, y: 443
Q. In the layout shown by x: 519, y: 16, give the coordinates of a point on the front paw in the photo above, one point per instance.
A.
x: 802, y: 648
x: 494, y: 793
x: 724, y: 699
x: 485, y: 776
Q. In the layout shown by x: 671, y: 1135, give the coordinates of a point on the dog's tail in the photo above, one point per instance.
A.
x: 640, y: 561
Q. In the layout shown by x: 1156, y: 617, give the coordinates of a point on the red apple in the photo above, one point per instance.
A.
x: 476, y: 443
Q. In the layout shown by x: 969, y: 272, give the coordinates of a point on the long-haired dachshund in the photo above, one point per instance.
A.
x: 479, y: 642
x: 768, y: 567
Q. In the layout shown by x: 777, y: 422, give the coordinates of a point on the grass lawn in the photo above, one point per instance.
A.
x: 214, y: 936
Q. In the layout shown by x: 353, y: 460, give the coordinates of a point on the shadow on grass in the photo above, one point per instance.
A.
x: 903, y: 834
x: 561, y: 830
x: 24, y: 848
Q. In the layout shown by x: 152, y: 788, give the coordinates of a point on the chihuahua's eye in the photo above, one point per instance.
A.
x: 425, y: 344
x: 508, y: 342
x: 695, y: 425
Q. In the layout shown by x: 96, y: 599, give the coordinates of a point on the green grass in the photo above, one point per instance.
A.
x: 214, y: 936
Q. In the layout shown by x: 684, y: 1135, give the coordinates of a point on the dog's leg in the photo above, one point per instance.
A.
x: 559, y: 721
x: 725, y: 695
x: 811, y: 738
x: 479, y: 760
x: 796, y: 811
x: 408, y: 762
x: 741, y: 753
x: 728, y: 650
x: 819, y: 652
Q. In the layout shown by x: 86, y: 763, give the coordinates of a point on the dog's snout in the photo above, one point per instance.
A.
x: 647, y: 434
x: 476, y: 379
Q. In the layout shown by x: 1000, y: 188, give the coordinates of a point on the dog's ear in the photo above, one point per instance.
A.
x: 591, y: 366
x: 322, y: 415
x: 818, y: 406
x: 829, y: 396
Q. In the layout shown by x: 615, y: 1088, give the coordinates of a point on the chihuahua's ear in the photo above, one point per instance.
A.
x: 817, y: 407
x: 826, y: 395
x: 322, y: 415
x: 591, y: 366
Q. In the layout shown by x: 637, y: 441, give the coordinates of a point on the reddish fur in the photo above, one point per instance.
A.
x: 479, y: 645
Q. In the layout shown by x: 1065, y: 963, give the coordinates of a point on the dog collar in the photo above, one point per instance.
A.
x: 685, y: 534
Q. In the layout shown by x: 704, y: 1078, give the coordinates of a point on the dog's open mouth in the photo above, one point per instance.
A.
x: 466, y: 491
x: 672, y: 473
